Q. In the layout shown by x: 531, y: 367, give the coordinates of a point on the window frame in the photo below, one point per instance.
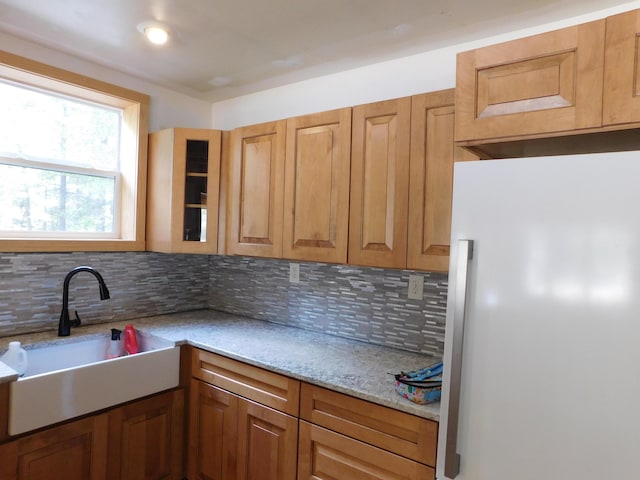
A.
x: 133, y: 153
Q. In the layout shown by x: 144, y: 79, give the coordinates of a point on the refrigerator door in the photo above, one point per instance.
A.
x: 550, y: 368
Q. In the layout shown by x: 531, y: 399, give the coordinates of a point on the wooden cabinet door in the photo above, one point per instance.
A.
x: 316, y: 196
x: 256, y: 189
x: 74, y: 451
x: 379, y: 184
x: 621, y: 97
x: 551, y: 82
x: 326, y: 455
x: 213, y: 419
x: 431, y: 180
x: 267, y: 443
x: 8, y: 461
x: 183, y: 191
x: 146, y: 439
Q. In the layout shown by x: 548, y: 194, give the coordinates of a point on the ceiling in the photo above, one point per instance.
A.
x: 225, y: 48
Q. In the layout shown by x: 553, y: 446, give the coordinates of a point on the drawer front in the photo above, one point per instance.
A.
x: 262, y: 386
x: 407, y: 435
x: 323, y: 454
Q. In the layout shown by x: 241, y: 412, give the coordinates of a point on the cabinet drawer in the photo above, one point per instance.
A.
x: 407, y: 435
x: 323, y: 454
x: 262, y: 386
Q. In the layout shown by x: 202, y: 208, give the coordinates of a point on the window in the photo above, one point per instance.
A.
x: 72, y: 161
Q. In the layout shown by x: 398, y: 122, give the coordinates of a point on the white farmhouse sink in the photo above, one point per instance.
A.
x: 73, y: 378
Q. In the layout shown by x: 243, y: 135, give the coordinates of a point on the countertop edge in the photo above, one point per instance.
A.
x: 200, y: 329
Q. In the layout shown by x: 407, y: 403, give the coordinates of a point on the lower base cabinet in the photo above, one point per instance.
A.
x: 235, y: 438
x: 141, y: 440
x: 247, y: 423
x: 73, y: 451
x: 327, y: 455
x: 146, y: 439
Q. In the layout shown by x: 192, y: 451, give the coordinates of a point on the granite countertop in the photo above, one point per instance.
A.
x: 348, y: 366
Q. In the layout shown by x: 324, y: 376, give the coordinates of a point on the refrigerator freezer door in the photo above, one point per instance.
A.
x: 550, y: 371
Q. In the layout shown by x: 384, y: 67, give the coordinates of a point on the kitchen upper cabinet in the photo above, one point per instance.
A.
x: 316, y: 217
x: 256, y: 190
x: 621, y: 102
x: 534, y: 86
x: 379, y: 184
x: 146, y: 438
x: 73, y: 451
x: 183, y: 189
x: 433, y: 154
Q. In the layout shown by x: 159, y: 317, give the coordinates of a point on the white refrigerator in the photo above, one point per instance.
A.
x: 542, y: 343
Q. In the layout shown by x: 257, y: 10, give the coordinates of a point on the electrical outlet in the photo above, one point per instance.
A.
x: 416, y: 287
x: 294, y: 273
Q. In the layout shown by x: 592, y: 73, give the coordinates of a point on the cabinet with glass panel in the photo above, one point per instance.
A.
x: 183, y: 190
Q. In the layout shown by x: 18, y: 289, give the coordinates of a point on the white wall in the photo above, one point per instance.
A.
x: 425, y: 72
x: 168, y: 108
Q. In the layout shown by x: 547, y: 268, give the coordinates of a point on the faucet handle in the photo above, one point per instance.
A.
x: 76, y: 321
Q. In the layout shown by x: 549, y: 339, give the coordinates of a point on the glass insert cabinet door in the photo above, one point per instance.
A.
x: 195, y: 191
x: 183, y: 190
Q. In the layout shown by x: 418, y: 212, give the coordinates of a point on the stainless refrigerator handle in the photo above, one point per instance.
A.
x: 452, y: 459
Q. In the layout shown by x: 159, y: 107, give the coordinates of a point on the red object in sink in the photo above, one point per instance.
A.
x: 130, y: 340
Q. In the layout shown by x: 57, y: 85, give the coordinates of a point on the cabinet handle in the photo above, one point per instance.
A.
x: 453, y: 359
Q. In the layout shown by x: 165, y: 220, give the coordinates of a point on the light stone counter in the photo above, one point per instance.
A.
x: 352, y: 367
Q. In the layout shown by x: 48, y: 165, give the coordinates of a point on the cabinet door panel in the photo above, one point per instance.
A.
x: 263, y: 386
x: 183, y: 198
x: 267, y: 443
x: 391, y: 430
x: 551, y: 82
x: 621, y: 101
x: 256, y: 190
x: 212, y: 433
x: 431, y: 180
x: 74, y: 451
x: 145, y: 439
x: 317, y: 187
x: 379, y: 183
x: 325, y: 455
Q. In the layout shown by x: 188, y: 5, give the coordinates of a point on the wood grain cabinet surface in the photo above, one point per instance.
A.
x: 141, y: 440
x: 316, y: 199
x: 551, y: 82
x: 576, y: 88
x: 327, y: 455
x: 398, y: 432
x: 183, y: 185
x: 379, y: 183
x: 239, y: 429
x: 238, y: 425
x: 621, y: 100
x: 73, y: 451
x: 146, y: 438
x: 256, y: 190
x: 433, y: 154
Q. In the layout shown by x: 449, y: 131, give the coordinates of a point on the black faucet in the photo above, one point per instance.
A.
x: 64, y: 327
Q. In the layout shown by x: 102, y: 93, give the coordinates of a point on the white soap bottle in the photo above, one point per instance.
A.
x: 16, y: 358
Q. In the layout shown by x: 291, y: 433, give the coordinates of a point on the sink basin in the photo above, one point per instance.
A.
x: 73, y: 378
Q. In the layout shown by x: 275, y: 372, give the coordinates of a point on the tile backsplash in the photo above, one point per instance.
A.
x: 141, y: 284
x: 368, y: 304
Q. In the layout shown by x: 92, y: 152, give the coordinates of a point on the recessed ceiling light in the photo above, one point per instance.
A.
x: 155, y: 32
x: 220, y: 81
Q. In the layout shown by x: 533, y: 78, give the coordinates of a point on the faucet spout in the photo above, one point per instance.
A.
x: 65, y: 324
